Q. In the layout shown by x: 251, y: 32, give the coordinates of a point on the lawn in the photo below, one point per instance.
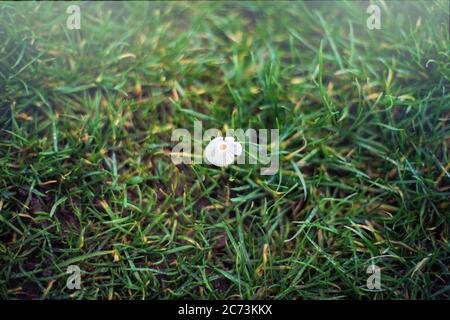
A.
x: 87, y: 178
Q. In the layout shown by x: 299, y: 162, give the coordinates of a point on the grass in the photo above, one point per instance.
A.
x: 86, y: 178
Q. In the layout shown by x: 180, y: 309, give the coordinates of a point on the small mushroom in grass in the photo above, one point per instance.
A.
x: 221, y: 151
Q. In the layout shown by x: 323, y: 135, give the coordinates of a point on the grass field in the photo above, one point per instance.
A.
x: 86, y: 177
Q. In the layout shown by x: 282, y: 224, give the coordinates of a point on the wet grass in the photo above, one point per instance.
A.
x: 86, y: 176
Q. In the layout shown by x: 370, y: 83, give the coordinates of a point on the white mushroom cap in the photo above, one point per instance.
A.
x: 221, y: 151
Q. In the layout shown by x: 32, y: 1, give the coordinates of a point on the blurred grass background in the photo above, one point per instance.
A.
x: 86, y: 177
